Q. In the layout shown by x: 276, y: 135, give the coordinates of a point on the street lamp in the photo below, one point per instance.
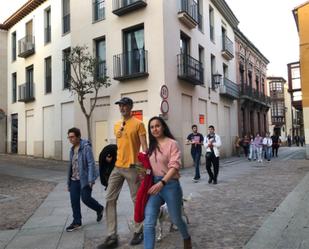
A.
x: 216, y: 80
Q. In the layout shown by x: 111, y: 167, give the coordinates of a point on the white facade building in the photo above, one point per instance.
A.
x: 143, y: 46
x: 3, y: 89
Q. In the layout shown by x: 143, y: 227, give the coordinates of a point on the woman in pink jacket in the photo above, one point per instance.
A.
x: 165, y: 160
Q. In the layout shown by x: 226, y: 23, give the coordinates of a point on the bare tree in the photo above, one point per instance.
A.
x: 88, y: 76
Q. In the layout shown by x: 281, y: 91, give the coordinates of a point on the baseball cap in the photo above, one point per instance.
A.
x: 125, y: 101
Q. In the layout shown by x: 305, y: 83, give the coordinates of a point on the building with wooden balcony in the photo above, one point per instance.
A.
x: 296, y: 95
x: 142, y: 46
x: 254, y: 102
x: 279, y: 109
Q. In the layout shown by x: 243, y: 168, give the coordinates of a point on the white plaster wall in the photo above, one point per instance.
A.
x: 3, y: 88
x: 53, y: 49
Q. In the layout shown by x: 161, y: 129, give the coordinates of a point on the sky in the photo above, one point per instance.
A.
x: 268, y: 24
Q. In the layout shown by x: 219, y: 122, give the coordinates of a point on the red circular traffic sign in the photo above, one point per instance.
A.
x: 164, y: 107
x: 164, y: 92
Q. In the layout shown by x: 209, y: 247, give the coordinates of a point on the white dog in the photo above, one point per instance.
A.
x: 164, y: 217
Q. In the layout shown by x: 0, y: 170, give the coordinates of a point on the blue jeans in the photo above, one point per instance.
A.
x: 171, y: 193
x: 85, y: 193
x: 196, y: 156
x: 268, y: 152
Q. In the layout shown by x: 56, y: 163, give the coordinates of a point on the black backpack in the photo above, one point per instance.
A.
x: 105, y: 167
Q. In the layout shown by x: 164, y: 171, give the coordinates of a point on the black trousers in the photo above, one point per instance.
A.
x: 214, y: 161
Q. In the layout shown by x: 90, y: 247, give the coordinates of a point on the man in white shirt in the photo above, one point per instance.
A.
x: 212, y: 144
x: 267, y: 143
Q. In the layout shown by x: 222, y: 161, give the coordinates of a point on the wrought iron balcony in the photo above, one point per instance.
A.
x: 278, y: 120
x: 188, y: 13
x: 229, y: 89
x: 26, y: 46
x: 276, y: 95
x: 190, y: 69
x: 132, y: 64
x: 227, y: 48
x: 26, y: 92
x: 122, y: 7
x: 247, y: 92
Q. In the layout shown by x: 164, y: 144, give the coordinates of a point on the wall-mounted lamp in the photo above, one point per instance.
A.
x: 216, y: 80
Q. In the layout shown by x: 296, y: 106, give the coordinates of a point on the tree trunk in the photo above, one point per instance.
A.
x: 89, y: 128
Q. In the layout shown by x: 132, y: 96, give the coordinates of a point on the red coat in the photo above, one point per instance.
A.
x: 142, y: 192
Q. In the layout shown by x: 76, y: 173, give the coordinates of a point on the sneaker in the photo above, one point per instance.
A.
x: 100, y: 214
x: 73, y: 226
x: 195, y: 180
x: 109, y: 243
x: 137, y: 238
x: 215, y: 181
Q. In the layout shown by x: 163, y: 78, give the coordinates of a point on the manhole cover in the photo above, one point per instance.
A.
x: 4, y: 198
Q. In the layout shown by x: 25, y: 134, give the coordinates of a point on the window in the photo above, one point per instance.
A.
x: 184, y: 44
x: 211, y: 24
x: 48, y: 75
x: 29, y: 75
x: 47, y: 26
x: 277, y: 109
x: 14, y: 87
x: 257, y: 82
x: 98, y: 10
x: 200, y: 14
x: 212, y: 69
x: 242, y: 74
x: 134, y: 48
x: 13, y: 40
x: 225, y: 71
x: 101, y: 58
x: 66, y: 68
x: 66, y: 16
x: 250, y: 78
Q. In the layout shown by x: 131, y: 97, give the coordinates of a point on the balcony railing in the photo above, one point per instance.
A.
x: 66, y: 23
x: 277, y: 120
x: 26, y: 92
x: 190, y: 69
x: 98, y: 10
x: 101, y: 69
x: 276, y: 95
x: 252, y: 94
x: 26, y: 46
x: 122, y: 7
x: 188, y: 13
x: 132, y: 64
x: 47, y: 34
x: 227, y: 48
x: 229, y: 89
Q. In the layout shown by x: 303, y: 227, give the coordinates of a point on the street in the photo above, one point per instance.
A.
x: 229, y: 215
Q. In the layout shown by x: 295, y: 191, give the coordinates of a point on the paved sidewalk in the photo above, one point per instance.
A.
x: 284, y: 229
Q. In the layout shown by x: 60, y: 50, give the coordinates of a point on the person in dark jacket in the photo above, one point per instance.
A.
x: 81, y: 178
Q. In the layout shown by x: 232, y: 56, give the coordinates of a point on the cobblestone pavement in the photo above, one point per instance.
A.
x: 32, y: 162
x: 223, y: 216
x: 226, y: 216
x: 19, y: 198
